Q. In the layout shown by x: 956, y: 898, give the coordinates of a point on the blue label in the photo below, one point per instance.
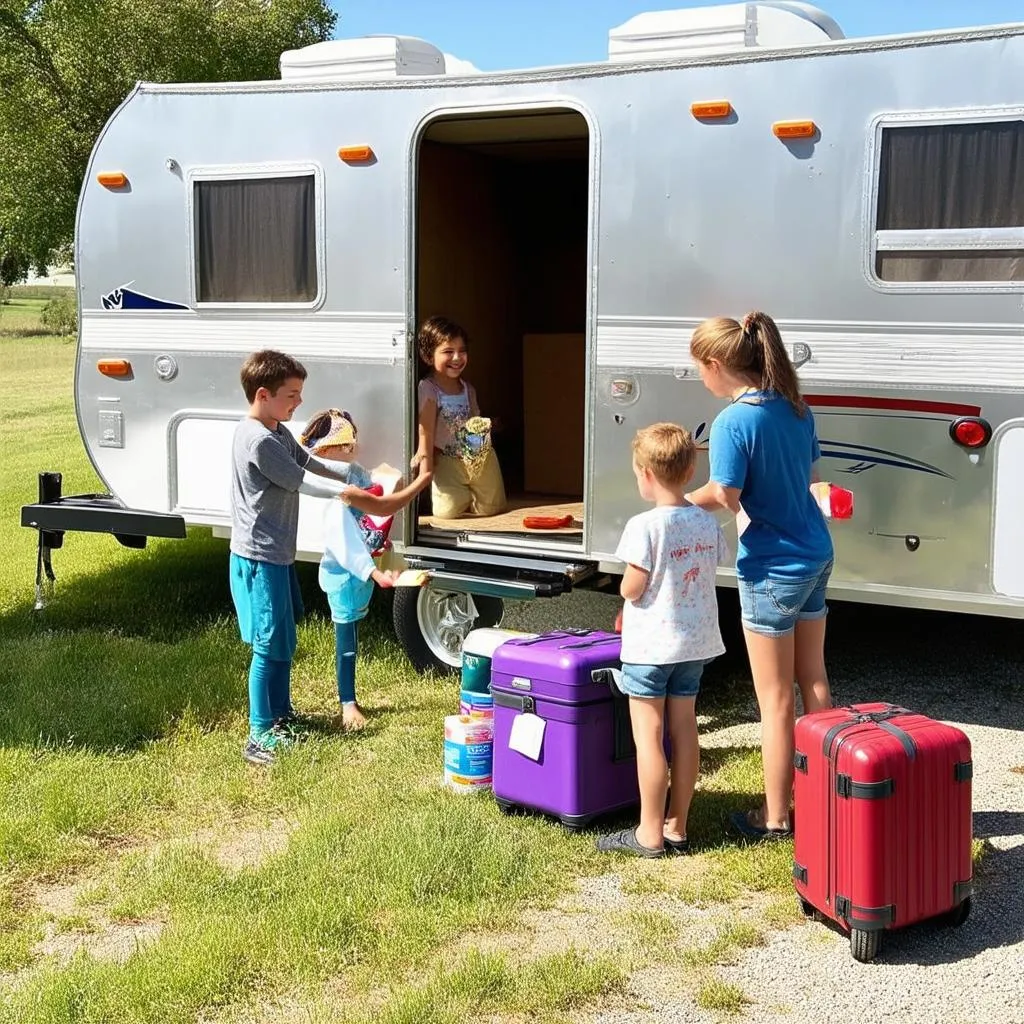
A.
x: 468, y: 758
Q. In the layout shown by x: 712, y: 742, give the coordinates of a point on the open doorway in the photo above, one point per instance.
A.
x: 502, y: 226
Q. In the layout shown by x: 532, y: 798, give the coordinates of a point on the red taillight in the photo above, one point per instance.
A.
x: 970, y: 432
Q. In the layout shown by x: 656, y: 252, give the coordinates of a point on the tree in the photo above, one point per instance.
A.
x: 65, y: 66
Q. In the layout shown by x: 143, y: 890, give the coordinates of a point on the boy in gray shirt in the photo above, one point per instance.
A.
x: 269, y: 471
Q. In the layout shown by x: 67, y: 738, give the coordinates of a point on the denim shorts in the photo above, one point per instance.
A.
x: 772, y: 606
x: 679, y: 680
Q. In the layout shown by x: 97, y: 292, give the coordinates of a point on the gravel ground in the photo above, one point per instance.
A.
x: 961, y: 669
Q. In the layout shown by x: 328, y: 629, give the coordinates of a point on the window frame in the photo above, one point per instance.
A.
x: 253, y: 172
x: 932, y: 239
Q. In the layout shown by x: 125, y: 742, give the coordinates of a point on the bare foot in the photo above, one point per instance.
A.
x: 352, y: 718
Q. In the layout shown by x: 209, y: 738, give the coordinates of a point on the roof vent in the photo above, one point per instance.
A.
x: 369, y: 57
x: 701, y: 31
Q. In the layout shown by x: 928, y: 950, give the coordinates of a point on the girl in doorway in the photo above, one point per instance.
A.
x: 352, y: 536
x: 763, y: 450
x: 467, y: 477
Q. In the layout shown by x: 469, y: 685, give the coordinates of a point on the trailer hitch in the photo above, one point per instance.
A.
x: 53, y: 515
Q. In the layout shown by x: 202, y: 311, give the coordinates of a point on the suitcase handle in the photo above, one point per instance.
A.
x: 553, y: 635
x: 623, y: 747
x: 521, y: 702
x: 583, y: 644
x: 879, y: 718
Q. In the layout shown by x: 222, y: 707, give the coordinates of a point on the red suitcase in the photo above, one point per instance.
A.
x: 882, y: 820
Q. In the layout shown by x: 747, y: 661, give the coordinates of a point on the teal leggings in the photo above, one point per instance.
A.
x: 346, y: 642
x: 269, y: 692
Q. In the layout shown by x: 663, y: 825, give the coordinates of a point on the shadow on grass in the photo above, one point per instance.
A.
x: 30, y: 332
x: 709, y: 812
x: 116, y: 657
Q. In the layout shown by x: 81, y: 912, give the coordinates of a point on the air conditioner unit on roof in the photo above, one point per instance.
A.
x: 699, y: 31
x: 369, y: 57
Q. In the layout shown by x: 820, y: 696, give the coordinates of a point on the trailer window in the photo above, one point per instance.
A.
x: 951, y: 203
x: 256, y: 239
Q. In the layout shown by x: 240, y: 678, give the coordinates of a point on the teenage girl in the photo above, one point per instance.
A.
x: 464, y: 481
x: 763, y: 449
x: 347, y: 569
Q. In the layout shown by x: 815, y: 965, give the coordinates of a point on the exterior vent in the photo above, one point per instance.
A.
x: 369, y: 57
x: 728, y: 28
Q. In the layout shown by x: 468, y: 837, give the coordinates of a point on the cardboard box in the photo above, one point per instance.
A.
x: 554, y: 404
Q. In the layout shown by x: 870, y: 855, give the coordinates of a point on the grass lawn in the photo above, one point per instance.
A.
x: 148, y: 874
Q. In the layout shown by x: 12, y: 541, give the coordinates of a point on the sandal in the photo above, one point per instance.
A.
x: 626, y: 842
x: 756, y: 833
x: 677, y: 845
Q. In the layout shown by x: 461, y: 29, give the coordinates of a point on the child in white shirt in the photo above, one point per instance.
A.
x: 351, y: 538
x: 669, y: 632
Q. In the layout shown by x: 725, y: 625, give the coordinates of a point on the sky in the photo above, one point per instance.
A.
x: 504, y: 34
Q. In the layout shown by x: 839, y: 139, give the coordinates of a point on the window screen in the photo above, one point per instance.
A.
x: 256, y: 240
x: 966, y: 179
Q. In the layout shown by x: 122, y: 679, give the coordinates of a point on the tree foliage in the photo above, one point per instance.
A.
x: 65, y: 66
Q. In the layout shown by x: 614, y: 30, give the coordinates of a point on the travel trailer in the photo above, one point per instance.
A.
x: 579, y: 221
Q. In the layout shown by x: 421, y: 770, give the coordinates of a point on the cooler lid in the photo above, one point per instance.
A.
x: 557, y: 664
x: 483, y: 642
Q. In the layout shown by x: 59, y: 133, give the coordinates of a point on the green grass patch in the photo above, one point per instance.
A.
x: 120, y: 767
x: 733, y: 870
x: 18, y: 931
x: 652, y: 933
x: 732, y: 937
x: 20, y: 319
x: 715, y: 994
x: 40, y: 293
x: 488, y: 984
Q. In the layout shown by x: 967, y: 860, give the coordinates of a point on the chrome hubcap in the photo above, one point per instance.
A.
x: 445, y: 619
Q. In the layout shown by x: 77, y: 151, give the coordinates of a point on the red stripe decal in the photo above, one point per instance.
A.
x: 900, y: 404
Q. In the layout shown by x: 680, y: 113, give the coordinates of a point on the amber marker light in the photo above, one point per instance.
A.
x: 114, y: 367
x: 355, y: 154
x: 711, y: 110
x: 794, y: 129
x: 112, y: 179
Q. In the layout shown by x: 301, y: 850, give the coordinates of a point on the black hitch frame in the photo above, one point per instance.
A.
x: 54, y: 515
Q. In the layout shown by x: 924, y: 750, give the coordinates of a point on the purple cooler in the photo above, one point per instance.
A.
x: 586, y: 765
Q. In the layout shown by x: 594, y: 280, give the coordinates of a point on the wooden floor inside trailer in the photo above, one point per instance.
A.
x: 521, y: 506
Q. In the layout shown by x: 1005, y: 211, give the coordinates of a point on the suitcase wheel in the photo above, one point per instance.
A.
x: 505, y: 806
x: 811, y: 911
x: 958, y: 914
x: 865, y: 945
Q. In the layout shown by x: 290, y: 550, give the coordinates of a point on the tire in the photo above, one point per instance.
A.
x: 431, y: 624
x: 865, y: 945
x: 806, y: 908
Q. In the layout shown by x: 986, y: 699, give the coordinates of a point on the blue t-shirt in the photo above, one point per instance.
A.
x: 761, y: 446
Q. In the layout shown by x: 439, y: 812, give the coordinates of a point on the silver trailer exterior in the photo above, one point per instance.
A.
x: 899, y: 296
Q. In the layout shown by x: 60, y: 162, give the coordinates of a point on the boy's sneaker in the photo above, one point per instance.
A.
x: 263, y: 750
x: 289, y: 728
x: 256, y: 754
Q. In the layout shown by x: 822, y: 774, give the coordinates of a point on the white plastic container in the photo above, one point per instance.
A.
x: 477, y: 650
x: 367, y: 58
x: 726, y: 28
x: 468, y: 753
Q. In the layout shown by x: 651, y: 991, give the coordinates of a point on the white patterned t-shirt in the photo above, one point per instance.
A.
x: 676, y: 617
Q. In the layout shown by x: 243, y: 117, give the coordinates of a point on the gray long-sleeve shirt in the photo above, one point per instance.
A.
x: 267, y: 471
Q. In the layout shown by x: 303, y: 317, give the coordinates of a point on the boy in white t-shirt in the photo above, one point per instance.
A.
x: 669, y: 632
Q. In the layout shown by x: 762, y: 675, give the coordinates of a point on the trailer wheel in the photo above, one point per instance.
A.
x: 431, y: 624
x: 864, y: 944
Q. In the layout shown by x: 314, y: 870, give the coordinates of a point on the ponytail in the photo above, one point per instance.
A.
x: 752, y: 349
x: 777, y: 371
